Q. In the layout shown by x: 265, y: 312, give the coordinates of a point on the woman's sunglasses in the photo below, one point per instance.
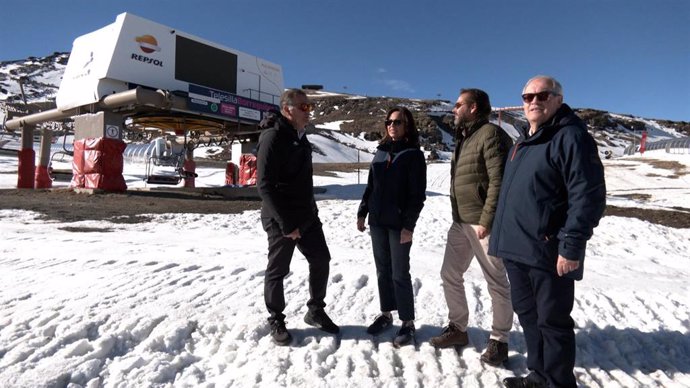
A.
x: 394, y: 122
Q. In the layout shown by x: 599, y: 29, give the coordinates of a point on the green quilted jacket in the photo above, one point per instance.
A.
x: 481, y: 149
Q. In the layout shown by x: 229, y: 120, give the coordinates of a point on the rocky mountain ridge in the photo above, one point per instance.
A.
x: 30, y: 85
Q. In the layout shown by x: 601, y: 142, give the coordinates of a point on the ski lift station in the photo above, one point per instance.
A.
x: 137, y: 79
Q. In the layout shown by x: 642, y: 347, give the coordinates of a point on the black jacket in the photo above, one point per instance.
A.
x: 396, y: 187
x: 284, y: 175
x: 553, y: 195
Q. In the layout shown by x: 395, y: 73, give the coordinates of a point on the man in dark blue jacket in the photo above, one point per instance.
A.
x: 553, y: 195
x: 289, y: 214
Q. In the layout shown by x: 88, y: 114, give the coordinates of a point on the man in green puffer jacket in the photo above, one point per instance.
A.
x: 476, y: 172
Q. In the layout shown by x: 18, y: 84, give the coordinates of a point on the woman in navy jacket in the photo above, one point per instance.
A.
x: 393, y: 199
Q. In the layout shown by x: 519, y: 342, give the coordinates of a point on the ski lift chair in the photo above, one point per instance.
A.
x: 173, y: 177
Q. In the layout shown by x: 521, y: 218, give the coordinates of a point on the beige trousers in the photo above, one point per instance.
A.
x: 461, y: 246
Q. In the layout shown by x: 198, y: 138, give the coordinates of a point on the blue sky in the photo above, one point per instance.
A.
x: 624, y: 56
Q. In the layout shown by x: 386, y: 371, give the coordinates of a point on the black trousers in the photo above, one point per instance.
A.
x: 543, y: 302
x: 313, y: 246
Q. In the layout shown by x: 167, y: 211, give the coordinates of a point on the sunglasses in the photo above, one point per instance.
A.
x: 458, y: 105
x: 305, y: 107
x: 541, y: 96
x: 394, y: 122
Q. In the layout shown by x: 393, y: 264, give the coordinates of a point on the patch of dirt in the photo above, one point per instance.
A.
x: 636, y: 196
x: 68, y: 206
x: 678, y: 168
x: 329, y: 169
x: 65, y: 205
x: 674, y: 219
x: 133, y: 206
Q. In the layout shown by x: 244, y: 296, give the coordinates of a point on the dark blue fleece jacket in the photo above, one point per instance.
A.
x: 553, y: 195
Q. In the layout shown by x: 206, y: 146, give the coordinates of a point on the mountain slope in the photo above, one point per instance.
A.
x: 346, y: 119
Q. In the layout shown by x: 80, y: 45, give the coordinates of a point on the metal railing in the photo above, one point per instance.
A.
x: 679, y: 145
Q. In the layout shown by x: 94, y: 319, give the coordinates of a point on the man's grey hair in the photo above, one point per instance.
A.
x: 289, y: 96
x: 555, y: 85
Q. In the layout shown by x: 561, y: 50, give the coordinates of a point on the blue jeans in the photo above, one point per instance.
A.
x: 393, y: 272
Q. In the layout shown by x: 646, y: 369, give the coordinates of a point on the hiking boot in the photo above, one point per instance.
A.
x: 530, y: 381
x: 380, y: 324
x: 320, y: 320
x: 405, y: 335
x: 496, y: 353
x: 279, y: 333
x: 450, y: 336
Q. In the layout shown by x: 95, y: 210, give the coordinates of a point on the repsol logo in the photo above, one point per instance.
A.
x: 153, y: 61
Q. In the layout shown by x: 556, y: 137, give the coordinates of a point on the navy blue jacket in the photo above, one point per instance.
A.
x: 396, y: 187
x: 284, y: 175
x: 553, y: 195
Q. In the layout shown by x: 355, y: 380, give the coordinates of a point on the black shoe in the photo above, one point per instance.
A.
x: 530, y: 381
x: 405, y: 335
x: 496, y: 353
x: 320, y: 320
x: 280, y: 334
x: 380, y: 324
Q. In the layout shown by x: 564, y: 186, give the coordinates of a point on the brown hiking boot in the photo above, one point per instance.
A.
x: 450, y: 336
x: 496, y: 353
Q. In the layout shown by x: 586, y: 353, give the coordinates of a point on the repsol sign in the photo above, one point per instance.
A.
x: 145, y: 59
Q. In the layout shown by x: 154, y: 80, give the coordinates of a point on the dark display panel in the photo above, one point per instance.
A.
x: 201, y: 64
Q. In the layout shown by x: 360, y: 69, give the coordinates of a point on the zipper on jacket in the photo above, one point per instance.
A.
x: 514, y: 151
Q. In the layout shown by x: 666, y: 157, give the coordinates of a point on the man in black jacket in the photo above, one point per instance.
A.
x: 553, y: 195
x: 289, y: 214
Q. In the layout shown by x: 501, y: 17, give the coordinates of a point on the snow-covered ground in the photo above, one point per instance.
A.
x: 178, y: 301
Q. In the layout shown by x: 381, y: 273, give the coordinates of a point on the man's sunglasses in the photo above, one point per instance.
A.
x: 394, y: 122
x: 541, y: 96
x: 305, y: 107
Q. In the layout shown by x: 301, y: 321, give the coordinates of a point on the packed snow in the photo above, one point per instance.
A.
x: 178, y: 301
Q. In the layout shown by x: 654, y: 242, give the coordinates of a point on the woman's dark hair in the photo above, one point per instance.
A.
x: 411, y: 133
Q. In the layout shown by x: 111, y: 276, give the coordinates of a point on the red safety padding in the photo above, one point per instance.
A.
x: 42, y: 178
x: 247, y: 170
x: 25, y: 168
x: 92, y: 161
x: 189, y: 169
x: 230, y: 174
x: 78, y: 165
x: 98, y: 164
x: 78, y: 158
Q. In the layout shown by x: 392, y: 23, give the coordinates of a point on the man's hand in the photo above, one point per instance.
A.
x: 360, y: 224
x: 405, y: 236
x: 294, y: 235
x: 481, y: 232
x: 563, y: 265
